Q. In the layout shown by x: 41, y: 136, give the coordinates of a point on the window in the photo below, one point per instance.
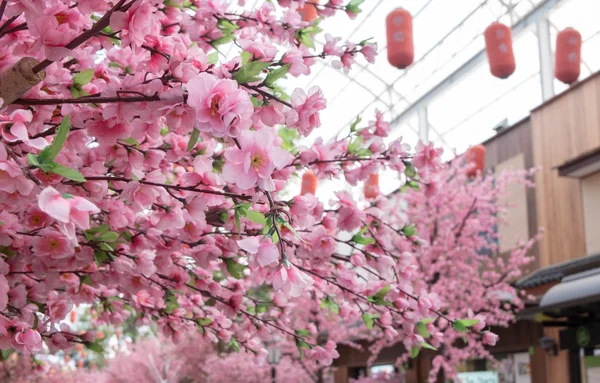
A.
x: 515, y: 227
x: 590, y: 195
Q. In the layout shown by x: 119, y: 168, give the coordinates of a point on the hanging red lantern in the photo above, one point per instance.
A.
x: 498, y: 46
x: 400, y: 48
x: 308, y: 12
x: 372, y: 186
x: 309, y: 183
x: 475, y: 159
x: 567, y: 67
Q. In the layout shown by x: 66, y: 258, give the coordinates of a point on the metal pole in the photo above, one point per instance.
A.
x: 423, y: 125
x: 546, y: 64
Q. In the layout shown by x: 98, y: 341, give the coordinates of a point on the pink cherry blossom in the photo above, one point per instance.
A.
x: 52, y: 244
x: 490, y: 339
x: 221, y: 108
x: 305, y: 115
x: 427, y: 158
x: 255, y: 162
x: 265, y: 252
x: 369, y: 50
x: 67, y: 208
x: 290, y: 280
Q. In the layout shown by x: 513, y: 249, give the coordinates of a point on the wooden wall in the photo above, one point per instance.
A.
x: 562, y: 129
x: 506, y: 145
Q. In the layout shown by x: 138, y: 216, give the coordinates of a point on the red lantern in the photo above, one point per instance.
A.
x: 498, y: 46
x: 372, y: 186
x: 309, y: 183
x: 568, y: 56
x: 400, y: 48
x: 308, y: 12
x: 475, y: 158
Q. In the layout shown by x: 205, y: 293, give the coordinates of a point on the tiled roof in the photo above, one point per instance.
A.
x: 555, y: 273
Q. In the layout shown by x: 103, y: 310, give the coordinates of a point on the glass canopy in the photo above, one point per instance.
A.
x: 446, y: 36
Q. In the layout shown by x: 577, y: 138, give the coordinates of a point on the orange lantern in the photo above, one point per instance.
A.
x: 372, y: 186
x: 73, y: 316
x: 308, y: 12
x: 567, y: 65
x: 309, y: 183
x: 498, y: 46
x: 475, y: 158
x: 400, y: 48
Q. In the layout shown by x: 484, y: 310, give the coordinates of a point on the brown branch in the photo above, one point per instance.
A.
x: 174, y: 187
x: 86, y: 100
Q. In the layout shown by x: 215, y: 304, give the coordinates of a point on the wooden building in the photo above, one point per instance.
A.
x: 562, y: 138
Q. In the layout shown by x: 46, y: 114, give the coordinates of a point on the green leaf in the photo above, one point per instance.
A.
x: 223, y: 40
x: 250, y: 71
x: 409, y: 170
x: 213, y: 57
x: 109, y: 236
x: 354, y: 6
x: 365, y: 41
x: 256, y: 217
x: 193, y: 139
x: 86, y: 279
x: 262, y: 308
x: 204, y: 321
x: 301, y: 344
x: 355, y: 144
x: 427, y: 320
x: 50, y: 152
x: 422, y: 330
x: 276, y: 74
x: 171, y: 303
x: 6, y: 353
x: 94, y: 347
x: 164, y: 131
x: 428, y: 346
x: 131, y: 141
x: 462, y: 325
x: 98, y: 229
x: 469, y: 322
x: 235, y: 269
x: 413, y: 184
x: 256, y: 102
x: 83, y: 77
x: 329, y: 303
x: 355, y: 123
x: 226, y: 26
x: 414, y: 352
x: 305, y: 39
x: 237, y: 221
x: 246, y: 56
x: 105, y: 246
x: 233, y: 345
x: 100, y: 257
x: 383, y: 292
x: 66, y: 172
x: 368, y: 319
x: 32, y: 160
x: 409, y: 230
x: 362, y: 240
x: 302, y: 332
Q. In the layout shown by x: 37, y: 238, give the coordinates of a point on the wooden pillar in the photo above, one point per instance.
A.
x: 557, y: 367
x: 341, y: 375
